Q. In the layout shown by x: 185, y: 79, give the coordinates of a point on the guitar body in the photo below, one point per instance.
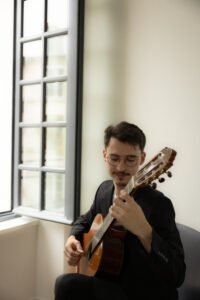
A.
x: 107, y: 257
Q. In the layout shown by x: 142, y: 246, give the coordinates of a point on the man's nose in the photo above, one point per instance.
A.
x: 121, y: 165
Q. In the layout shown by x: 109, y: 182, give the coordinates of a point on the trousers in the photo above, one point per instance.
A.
x: 73, y: 286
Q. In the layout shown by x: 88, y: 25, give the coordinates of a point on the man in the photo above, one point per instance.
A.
x: 153, y: 264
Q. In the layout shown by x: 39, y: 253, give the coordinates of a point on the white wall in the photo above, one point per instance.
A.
x: 103, y: 87
x: 31, y: 258
x: 102, y: 91
x: 18, y: 260
x: 50, y: 260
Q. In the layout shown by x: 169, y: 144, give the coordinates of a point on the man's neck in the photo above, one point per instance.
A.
x: 128, y: 188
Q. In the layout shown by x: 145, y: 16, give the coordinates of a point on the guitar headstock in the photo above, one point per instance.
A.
x: 157, y: 166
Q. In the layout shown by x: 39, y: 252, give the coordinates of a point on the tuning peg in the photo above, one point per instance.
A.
x: 154, y: 185
x: 161, y: 179
x: 169, y: 174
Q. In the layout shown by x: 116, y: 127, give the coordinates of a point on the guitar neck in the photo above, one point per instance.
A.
x: 97, y: 238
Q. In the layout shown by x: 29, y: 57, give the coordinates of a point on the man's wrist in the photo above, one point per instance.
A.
x: 145, y: 237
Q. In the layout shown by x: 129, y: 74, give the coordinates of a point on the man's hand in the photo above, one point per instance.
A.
x: 73, y: 251
x: 129, y: 214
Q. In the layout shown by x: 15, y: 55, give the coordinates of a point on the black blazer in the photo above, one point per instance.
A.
x: 154, y: 275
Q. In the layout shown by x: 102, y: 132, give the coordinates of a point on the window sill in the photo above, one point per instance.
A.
x: 12, y: 224
x: 7, y: 216
x: 42, y: 215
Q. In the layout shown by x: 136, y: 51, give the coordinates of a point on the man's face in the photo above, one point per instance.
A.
x: 123, y: 161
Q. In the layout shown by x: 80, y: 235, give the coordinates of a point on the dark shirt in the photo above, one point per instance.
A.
x: 154, y: 275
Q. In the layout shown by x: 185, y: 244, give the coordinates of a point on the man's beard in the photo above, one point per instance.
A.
x: 121, y: 178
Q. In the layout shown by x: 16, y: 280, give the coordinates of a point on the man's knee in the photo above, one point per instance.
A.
x: 72, y: 286
x: 64, y: 283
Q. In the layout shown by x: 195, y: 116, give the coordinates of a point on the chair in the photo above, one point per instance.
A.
x: 190, y: 289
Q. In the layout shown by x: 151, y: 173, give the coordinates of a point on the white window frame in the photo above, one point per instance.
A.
x: 74, y: 118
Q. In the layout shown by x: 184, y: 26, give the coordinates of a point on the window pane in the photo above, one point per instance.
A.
x: 56, y: 56
x: 31, y: 103
x: 55, y: 147
x: 56, y: 101
x: 59, y: 19
x: 32, y: 60
x: 54, y: 192
x: 31, y: 146
x: 30, y: 189
x: 33, y: 10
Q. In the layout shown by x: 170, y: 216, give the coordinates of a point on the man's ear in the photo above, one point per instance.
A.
x: 143, y: 156
x: 104, y: 153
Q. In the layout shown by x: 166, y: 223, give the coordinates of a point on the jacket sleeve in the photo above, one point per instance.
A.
x: 166, y: 258
x: 83, y: 223
x: 99, y: 205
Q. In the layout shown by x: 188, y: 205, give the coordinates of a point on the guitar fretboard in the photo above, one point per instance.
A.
x: 97, y: 238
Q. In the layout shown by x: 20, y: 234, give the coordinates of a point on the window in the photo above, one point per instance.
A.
x: 48, y: 86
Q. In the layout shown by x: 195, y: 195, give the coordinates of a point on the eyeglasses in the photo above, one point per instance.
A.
x: 129, y: 161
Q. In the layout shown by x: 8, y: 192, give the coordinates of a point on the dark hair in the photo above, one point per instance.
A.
x: 126, y: 133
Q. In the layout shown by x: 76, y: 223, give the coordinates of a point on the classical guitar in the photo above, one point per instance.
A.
x: 103, y: 244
